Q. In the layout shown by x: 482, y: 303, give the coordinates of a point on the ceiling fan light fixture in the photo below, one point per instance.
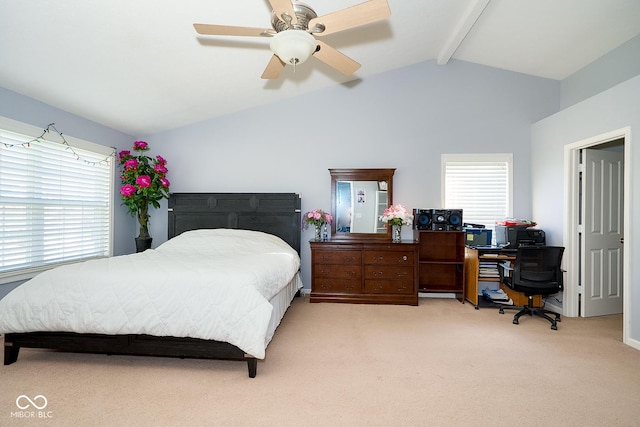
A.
x: 293, y: 46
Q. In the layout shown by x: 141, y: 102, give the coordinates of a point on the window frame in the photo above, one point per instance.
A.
x: 31, y: 132
x: 479, y: 158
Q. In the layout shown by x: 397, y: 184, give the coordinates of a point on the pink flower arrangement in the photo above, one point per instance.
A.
x: 144, y: 183
x: 316, y: 217
x: 396, y: 215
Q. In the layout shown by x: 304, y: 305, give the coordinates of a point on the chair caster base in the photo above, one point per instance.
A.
x: 532, y: 311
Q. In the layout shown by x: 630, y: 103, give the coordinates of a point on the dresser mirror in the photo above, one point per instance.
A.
x: 358, y: 198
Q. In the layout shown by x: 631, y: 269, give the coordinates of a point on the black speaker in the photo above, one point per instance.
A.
x: 439, y: 216
x: 445, y: 220
x: 454, y: 220
x: 422, y: 219
x: 437, y: 219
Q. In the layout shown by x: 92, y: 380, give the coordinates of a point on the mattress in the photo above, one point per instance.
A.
x: 224, y: 285
x: 280, y: 303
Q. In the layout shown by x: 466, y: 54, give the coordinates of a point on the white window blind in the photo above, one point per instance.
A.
x: 55, y: 204
x: 480, y: 185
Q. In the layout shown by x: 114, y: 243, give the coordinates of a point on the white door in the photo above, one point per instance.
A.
x: 602, y: 214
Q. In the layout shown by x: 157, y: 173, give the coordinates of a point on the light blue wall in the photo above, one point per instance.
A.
x: 611, y: 110
x: 615, y: 67
x: 602, y: 97
x: 404, y: 119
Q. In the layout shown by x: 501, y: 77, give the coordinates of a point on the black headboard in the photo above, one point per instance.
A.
x: 273, y: 213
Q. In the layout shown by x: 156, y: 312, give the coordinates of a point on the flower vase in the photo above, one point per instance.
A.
x: 318, y: 236
x: 396, y: 233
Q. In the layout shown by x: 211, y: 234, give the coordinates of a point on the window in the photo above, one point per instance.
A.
x: 55, y: 200
x: 480, y: 185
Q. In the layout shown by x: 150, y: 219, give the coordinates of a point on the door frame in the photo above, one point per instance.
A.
x: 570, y: 224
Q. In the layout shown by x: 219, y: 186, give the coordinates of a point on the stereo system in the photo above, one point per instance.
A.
x: 437, y: 219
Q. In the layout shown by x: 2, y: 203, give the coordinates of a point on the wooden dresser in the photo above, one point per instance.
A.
x: 364, y: 271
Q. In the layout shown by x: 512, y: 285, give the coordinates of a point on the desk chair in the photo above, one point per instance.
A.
x: 536, y: 271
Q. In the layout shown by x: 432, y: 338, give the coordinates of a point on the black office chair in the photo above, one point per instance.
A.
x: 536, y: 271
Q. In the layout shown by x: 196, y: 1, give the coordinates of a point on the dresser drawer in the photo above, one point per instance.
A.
x: 385, y: 272
x: 403, y: 287
x: 337, y: 257
x: 364, y: 272
x: 336, y: 271
x: 389, y: 257
x: 336, y: 286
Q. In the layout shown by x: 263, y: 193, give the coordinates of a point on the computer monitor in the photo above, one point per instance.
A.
x: 477, y: 237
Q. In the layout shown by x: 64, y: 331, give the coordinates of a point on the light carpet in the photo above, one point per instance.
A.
x: 442, y: 363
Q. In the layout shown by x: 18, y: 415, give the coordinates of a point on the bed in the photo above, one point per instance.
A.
x: 142, y: 312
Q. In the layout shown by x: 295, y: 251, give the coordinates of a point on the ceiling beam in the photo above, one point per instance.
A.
x: 471, y: 15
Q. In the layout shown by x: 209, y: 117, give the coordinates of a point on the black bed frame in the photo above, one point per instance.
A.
x: 273, y: 213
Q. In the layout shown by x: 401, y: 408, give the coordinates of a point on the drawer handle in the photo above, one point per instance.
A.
x: 401, y: 274
x: 349, y: 258
x: 350, y: 273
x: 402, y: 288
x: 378, y: 274
x: 404, y: 258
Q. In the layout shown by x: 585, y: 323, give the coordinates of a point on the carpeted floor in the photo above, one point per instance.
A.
x: 442, y: 363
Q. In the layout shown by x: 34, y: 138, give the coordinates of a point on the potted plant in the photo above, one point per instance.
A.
x: 144, y: 183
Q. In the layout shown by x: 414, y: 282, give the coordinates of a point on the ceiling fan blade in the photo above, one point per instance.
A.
x: 226, y: 30
x: 351, y: 17
x: 284, y: 6
x: 335, y: 59
x: 274, y: 68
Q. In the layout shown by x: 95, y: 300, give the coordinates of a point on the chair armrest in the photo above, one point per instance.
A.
x: 504, y: 270
x: 506, y: 265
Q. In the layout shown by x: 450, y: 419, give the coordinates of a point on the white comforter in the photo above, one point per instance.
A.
x: 208, y: 284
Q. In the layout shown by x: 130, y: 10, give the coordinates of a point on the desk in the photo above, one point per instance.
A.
x: 477, y: 278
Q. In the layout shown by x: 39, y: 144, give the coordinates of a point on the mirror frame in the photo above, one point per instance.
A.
x: 359, y: 175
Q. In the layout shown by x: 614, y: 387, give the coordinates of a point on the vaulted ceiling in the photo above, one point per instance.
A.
x: 140, y: 67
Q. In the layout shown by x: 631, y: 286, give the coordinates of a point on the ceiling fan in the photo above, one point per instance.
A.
x: 295, y: 27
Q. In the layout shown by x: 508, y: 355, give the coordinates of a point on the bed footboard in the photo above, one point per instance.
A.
x: 136, y: 345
